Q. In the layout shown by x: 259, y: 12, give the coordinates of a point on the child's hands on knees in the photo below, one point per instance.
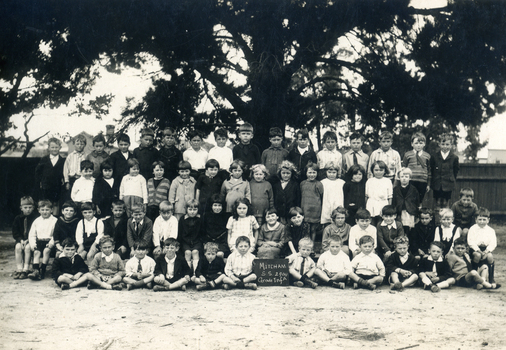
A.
x: 159, y: 279
x: 202, y: 279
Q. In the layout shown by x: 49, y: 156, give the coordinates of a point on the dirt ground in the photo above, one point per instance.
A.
x: 38, y: 315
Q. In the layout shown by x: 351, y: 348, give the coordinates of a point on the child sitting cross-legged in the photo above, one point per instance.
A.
x: 334, y: 265
x: 434, y: 271
x: 106, y: 268
x: 171, y: 271
x: 239, y: 267
x: 140, y: 268
x: 210, y: 271
x: 69, y: 269
x: 463, y: 272
x: 368, y: 270
x: 300, y: 265
x: 401, y: 265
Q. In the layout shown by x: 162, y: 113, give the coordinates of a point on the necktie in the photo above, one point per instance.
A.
x: 302, y: 266
x: 136, y: 228
x: 139, y: 267
x: 355, y: 161
x: 468, y: 263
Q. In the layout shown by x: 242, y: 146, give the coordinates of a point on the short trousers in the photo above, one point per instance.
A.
x: 366, y: 277
x: 41, y: 245
x: 212, y: 277
x: 191, y: 247
x: 461, y: 282
x: 442, y: 194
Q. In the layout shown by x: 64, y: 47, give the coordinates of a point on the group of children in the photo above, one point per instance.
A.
x: 185, y: 217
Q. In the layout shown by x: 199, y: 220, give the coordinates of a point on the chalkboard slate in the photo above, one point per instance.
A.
x: 271, y: 272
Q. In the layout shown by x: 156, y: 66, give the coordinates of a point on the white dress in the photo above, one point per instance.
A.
x: 378, y: 191
x: 332, y: 198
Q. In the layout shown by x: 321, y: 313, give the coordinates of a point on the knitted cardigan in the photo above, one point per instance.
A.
x: 158, y: 194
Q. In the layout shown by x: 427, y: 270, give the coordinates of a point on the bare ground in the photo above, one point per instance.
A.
x: 38, y: 315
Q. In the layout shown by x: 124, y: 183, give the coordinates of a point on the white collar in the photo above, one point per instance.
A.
x: 440, y: 259
x: 394, y: 225
x: 303, y: 150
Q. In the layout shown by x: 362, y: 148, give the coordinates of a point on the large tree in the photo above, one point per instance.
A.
x: 374, y: 64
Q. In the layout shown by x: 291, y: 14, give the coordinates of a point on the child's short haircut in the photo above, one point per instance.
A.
x: 87, y: 165
x: 303, y: 133
x: 216, y: 198
x: 401, y: 240
x: 294, y: 211
x: 388, y: 210
x: 169, y: 132
x: 106, y: 239
x: 123, y: 138
x: 245, y: 127
x: 132, y: 162
x: 237, y: 164
x: 98, y: 138
x: 54, y: 140
x: 194, y: 133
x: 460, y: 241
x: 68, y: 204
x: 87, y: 206
x: 365, y: 239
x: 26, y: 200
x: 446, y: 212
x: 184, y: 165
x: 157, y: 163
x: 445, y: 137
x: 79, y: 137
x: 192, y: 203
x: 356, y: 136
x: 241, y: 239
x: 386, y: 135
x: 466, y: 192
x: 275, y: 132
x: 166, y: 207
x: 137, y: 208
x: 332, y: 166
x: 171, y: 242
x: 381, y: 165
x: 118, y: 203
x: 269, y: 211
x: 437, y: 244
x: 329, y: 135
x: 45, y: 203
x: 69, y: 242
x: 212, y: 163
x: 106, y: 165
x: 483, y: 212
x: 311, y: 165
x: 362, y: 214
x: 221, y: 132
x: 405, y: 171
x: 287, y: 165
x: 418, y: 136
x: 211, y: 247
x: 426, y: 211
x: 140, y: 246
x: 339, y: 210
x: 336, y: 239
x: 306, y: 242
x: 147, y: 132
x: 259, y: 167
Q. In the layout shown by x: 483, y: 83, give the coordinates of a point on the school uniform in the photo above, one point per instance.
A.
x: 354, y: 199
x: 294, y: 234
x: 395, y: 261
x: 64, y: 265
x: 443, y: 174
x: 41, y: 232
x: 223, y: 155
x: 89, y: 232
x: 49, y: 178
x: 272, y: 158
x: 386, y: 236
x: 21, y: 226
x: 215, y: 230
x: 207, y: 186
x: 140, y: 232
x: 64, y: 229
x: 391, y: 158
x: 460, y: 267
x: 146, y: 157
x: 104, y: 193
x: 440, y: 267
x: 301, y: 160
x: 210, y: 270
x: 368, y: 266
x: 447, y: 236
x: 464, y: 217
x: 173, y: 270
x: 119, y: 162
x: 339, y: 263
x: 285, y: 198
x: 190, y: 233
x: 349, y: 159
x: 170, y: 156
x: 406, y: 201
x: 300, y: 264
x: 249, y: 154
x: 158, y: 191
x: 72, y: 167
x: 163, y: 229
x: 118, y: 232
x: 420, y: 237
x: 147, y: 265
x: 107, y: 267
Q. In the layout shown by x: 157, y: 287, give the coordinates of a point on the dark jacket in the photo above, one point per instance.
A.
x: 301, y: 160
x: 118, y: 232
x: 181, y: 268
x: 286, y: 198
x: 119, y: 164
x: 49, y: 178
x: 18, y: 226
x: 394, y: 262
x: 410, y: 202
x: 444, y: 172
x: 146, y: 157
x: 104, y: 195
x: 170, y: 156
x: 63, y: 265
x: 64, y: 229
x: 443, y: 269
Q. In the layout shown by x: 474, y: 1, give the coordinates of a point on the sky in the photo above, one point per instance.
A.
x: 135, y: 83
